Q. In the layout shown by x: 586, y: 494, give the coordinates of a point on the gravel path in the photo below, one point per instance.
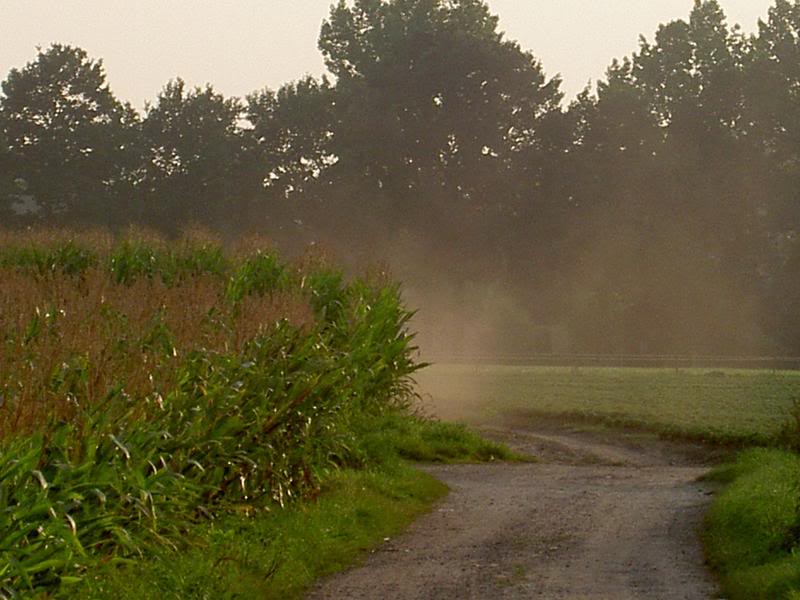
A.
x: 598, y: 517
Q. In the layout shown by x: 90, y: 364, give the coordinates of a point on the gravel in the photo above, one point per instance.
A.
x: 597, y: 517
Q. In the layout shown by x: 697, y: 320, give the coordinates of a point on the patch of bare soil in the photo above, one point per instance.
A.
x: 598, y: 517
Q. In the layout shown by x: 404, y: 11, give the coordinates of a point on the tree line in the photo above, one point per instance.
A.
x: 657, y: 213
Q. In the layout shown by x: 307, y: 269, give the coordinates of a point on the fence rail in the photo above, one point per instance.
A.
x: 625, y: 360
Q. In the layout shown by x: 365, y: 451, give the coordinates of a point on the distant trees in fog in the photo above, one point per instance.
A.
x: 657, y: 213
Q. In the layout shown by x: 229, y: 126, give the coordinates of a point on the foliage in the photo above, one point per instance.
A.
x: 196, y: 155
x: 396, y: 435
x: 433, y: 104
x: 281, y: 553
x: 292, y: 128
x: 140, y: 395
x: 72, y: 139
x: 278, y: 554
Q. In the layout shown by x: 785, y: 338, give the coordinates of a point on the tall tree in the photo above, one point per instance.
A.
x: 773, y: 126
x: 6, y: 177
x: 196, y: 157
x: 293, y: 130
x: 433, y: 105
x: 670, y: 196
x: 773, y: 80
x: 773, y: 100
x: 73, y: 141
x: 692, y: 71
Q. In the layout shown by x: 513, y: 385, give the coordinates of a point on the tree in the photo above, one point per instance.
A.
x: 6, y: 177
x: 72, y: 140
x: 773, y: 77
x: 692, y: 73
x: 773, y: 128
x: 293, y: 130
x: 196, y: 157
x: 670, y: 196
x: 433, y: 106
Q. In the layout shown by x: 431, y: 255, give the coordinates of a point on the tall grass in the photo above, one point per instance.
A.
x: 147, y: 386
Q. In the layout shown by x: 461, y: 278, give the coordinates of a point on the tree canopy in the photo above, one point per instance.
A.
x: 71, y: 137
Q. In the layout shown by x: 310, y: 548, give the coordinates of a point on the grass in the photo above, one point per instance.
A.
x: 730, y: 406
x: 753, y: 527
x: 280, y: 554
x: 425, y: 440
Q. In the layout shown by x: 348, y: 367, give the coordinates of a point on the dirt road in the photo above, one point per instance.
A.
x: 599, y: 517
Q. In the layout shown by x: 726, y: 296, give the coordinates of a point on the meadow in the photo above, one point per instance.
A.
x: 730, y: 405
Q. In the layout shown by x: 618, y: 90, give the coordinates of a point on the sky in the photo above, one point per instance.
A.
x: 244, y: 45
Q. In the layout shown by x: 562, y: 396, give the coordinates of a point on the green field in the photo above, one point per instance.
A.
x: 725, y: 405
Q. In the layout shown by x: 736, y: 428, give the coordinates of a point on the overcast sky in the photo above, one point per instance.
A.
x: 244, y: 45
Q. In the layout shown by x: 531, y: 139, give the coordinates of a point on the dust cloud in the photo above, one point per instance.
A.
x: 617, y: 292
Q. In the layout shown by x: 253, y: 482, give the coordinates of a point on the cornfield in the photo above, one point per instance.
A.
x: 147, y: 386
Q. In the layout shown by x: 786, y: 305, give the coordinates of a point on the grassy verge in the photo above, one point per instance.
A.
x: 752, y: 528
x: 396, y: 435
x: 280, y: 553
